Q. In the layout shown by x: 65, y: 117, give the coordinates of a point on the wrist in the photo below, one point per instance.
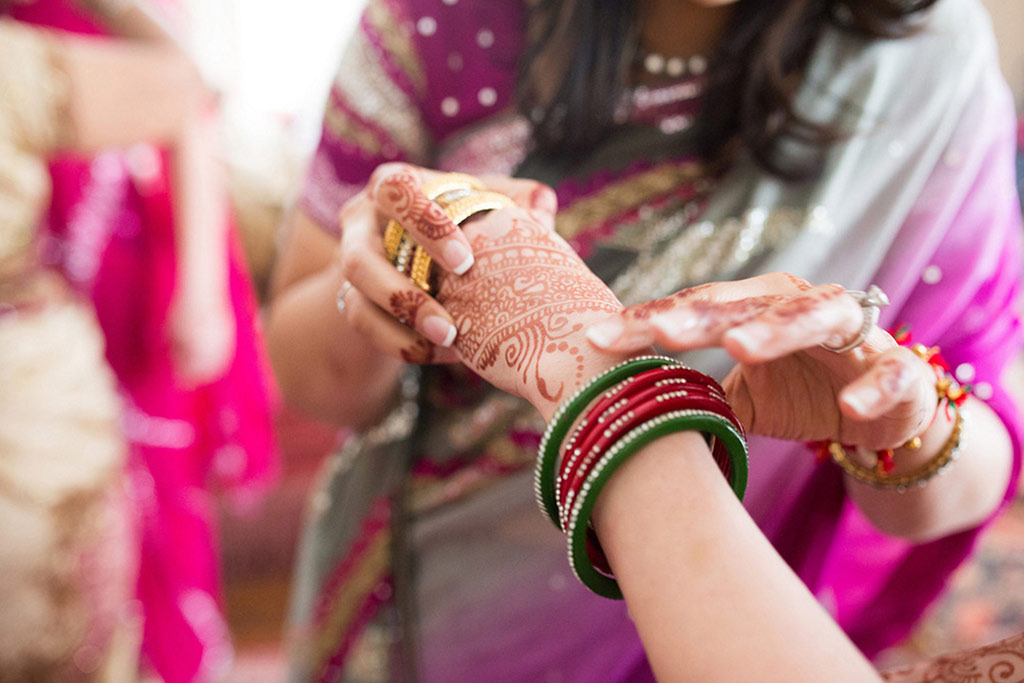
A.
x: 932, y: 440
x: 571, y: 377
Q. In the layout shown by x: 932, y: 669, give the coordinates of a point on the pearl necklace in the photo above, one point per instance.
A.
x: 674, y: 67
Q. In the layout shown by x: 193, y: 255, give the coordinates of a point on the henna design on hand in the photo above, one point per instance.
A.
x: 802, y: 305
x: 711, y: 316
x: 800, y: 283
x: 649, y: 308
x: 998, y: 662
x: 522, y: 303
x: 405, y: 305
x: 420, y: 353
x: 412, y: 209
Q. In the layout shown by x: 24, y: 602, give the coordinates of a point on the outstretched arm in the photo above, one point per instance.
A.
x: 711, y: 599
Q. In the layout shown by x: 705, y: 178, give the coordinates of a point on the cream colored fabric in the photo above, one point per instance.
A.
x: 33, y: 95
x: 65, y: 543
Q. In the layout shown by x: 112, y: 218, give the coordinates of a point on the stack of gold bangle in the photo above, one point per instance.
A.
x: 460, y: 196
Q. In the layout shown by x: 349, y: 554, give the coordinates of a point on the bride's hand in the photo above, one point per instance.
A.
x: 523, y: 309
x: 378, y: 300
x: 785, y: 384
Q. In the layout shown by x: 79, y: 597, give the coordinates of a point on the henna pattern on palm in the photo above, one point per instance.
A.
x: 413, y: 210
x: 522, y: 302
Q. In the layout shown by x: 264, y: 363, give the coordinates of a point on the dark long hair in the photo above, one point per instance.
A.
x: 580, y: 53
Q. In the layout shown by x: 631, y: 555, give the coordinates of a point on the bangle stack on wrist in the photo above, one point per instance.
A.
x: 631, y: 405
x: 949, y: 392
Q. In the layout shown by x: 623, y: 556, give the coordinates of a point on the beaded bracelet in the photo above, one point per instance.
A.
x: 948, y: 390
x: 917, y: 477
x: 580, y: 549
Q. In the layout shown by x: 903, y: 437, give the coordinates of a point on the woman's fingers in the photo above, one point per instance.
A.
x: 895, y: 377
x: 365, y: 267
x: 821, y: 315
x: 695, y: 317
x: 676, y: 323
x: 528, y: 194
x: 395, y: 189
x: 390, y: 336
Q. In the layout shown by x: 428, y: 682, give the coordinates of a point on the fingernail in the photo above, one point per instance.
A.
x: 439, y: 330
x: 751, y: 337
x: 674, y: 324
x: 604, y: 334
x: 458, y: 257
x: 862, y: 399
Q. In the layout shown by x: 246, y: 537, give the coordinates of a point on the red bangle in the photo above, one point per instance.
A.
x: 667, y: 376
x: 624, y: 397
x: 627, y: 419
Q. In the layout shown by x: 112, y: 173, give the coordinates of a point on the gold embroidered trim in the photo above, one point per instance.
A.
x: 366, y: 87
x: 623, y: 195
x: 697, y: 252
x: 344, y: 127
x: 398, y: 43
x: 345, y: 606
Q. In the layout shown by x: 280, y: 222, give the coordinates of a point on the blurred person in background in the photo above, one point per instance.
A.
x: 687, y: 141
x: 144, y: 237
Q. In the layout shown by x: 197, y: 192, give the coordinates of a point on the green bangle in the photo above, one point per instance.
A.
x: 566, y: 414
x: 683, y: 420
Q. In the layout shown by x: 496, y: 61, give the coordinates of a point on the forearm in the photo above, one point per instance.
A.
x: 711, y: 599
x: 201, y: 212
x: 959, y: 498
x: 326, y: 368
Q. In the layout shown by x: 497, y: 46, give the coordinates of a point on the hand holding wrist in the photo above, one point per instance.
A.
x: 522, y: 310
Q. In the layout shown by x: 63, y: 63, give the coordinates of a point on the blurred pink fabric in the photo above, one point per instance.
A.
x: 111, y: 231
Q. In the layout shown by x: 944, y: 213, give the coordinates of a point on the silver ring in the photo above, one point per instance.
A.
x: 339, y: 300
x: 870, y: 302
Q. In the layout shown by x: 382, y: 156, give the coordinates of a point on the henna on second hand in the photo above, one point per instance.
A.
x: 800, y: 283
x: 1001, y: 661
x: 647, y: 309
x: 420, y: 353
x: 802, y: 305
x: 405, y: 305
x: 413, y: 210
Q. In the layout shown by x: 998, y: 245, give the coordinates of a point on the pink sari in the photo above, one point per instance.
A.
x: 111, y: 231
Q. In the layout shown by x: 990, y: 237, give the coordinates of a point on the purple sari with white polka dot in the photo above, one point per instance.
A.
x: 424, y: 556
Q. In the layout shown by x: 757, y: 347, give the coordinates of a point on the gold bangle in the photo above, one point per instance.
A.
x: 398, y: 246
x: 420, y: 269
x: 460, y: 200
x: 464, y: 208
x: 393, y: 234
x: 919, y: 477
